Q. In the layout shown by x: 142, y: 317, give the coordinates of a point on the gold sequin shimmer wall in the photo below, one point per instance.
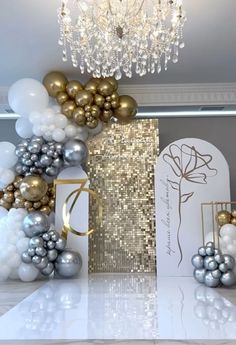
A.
x: 121, y: 170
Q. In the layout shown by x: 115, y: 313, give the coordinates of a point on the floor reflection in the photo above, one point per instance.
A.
x: 121, y: 306
x: 214, y: 310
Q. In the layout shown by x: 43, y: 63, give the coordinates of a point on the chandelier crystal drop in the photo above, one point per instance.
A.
x: 112, y: 37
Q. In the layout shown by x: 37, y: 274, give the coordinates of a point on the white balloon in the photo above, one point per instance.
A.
x: 4, y: 272
x: 14, y: 274
x: 37, y: 130
x: 58, y: 135
x: 27, y: 272
x: 22, y: 245
x: 8, y: 156
x: 227, y: 239
x: 7, y: 176
x: 35, y: 117
x: 47, y: 118
x: 228, y: 229
x: 82, y: 133
x: 27, y: 95
x: 61, y: 121
x: 56, y: 108
x: 71, y: 131
x: 230, y: 249
x: 96, y: 130
x: 14, y: 261
x: 24, y: 128
x: 3, y: 212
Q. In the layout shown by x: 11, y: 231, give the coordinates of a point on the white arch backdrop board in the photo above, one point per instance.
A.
x: 79, y: 216
x: 188, y: 172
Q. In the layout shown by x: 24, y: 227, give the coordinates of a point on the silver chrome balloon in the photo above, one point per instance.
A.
x: 223, y: 267
x: 219, y: 258
x: 40, y: 251
x: 210, y: 263
x: 228, y: 278
x: 75, y: 152
x: 209, y: 251
x: 202, y: 251
x: 197, y: 261
x: 52, y: 254
x: 60, y: 244
x: 216, y: 274
x: 26, y: 258
x: 31, y: 251
x: 43, y: 263
x: 37, y: 156
x: 68, y: 264
x: 45, y: 160
x: 35, y: 223
x: 34, y: 147
x: 51, y: 171
x: 210, y: 281
x: 36, y: 259
x: 229, y: 261
x: 51, y: 244
x: 199, y: 274
x: 48, y: 269
x: 35, y: 242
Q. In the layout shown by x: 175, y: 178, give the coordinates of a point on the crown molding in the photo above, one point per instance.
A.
x: 181, y: 94
x: 171, y: 94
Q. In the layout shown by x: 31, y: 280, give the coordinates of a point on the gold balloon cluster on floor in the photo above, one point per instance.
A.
x: 96, y: 100
x: 225, y: 217
x: 30, y: 192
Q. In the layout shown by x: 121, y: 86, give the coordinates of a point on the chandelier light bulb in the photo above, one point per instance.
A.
x: 115, y: 37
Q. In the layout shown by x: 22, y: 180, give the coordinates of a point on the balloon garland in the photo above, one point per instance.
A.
x: 52, y: 138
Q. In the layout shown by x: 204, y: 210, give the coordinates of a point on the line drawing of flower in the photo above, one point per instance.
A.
x: 188, y: 165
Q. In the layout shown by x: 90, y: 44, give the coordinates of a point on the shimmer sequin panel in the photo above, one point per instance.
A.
x: 121, y: 170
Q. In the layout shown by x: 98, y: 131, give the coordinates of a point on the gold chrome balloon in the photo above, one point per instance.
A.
x: 67, y: 108
x: 8, y: 197
x: 55, y: 82
x: 115, y: 96
x: 73, y: 87
x: 127, y: 109
x: 62, y: 97
x: 99, y: 100
x: 233, y: 213
x: 223, y: 217
x: 92, y: 123
x: 233, y: 221
x: 33, y: 188
x: 45, y: 209
x: 92, y: 85
x: 79, y: 116
x: 106, y: 115
x: 105, y: 88
x: 83, y: 98
x: 115, y: 104
x: 95, y: 111
x: 113, y: 82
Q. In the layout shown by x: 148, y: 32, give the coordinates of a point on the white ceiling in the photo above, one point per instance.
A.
x: 29, y: 34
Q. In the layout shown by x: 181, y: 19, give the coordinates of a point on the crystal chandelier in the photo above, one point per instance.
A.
x: 111, y: 37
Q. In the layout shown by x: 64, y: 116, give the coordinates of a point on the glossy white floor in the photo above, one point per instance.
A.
x: 118, y: 306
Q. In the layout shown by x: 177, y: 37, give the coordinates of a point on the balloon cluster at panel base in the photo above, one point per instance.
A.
x: 213, y: 268
x: 56, y: 117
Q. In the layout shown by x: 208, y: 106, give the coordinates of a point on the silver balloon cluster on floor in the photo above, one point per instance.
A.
x: 46, y: 249
x: 36, y: 156
x: 213, y: 268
